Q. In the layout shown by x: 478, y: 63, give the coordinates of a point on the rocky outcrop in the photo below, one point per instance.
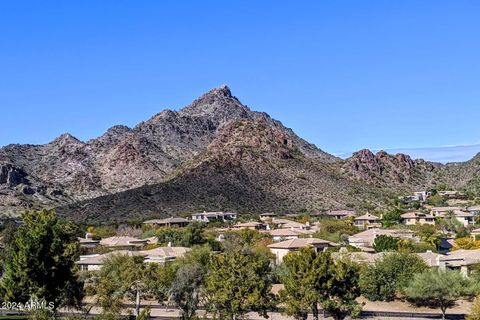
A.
x: 11, y: 176
x: 386, y: 170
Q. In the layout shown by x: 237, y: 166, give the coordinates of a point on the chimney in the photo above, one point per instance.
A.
x: 169, y: 244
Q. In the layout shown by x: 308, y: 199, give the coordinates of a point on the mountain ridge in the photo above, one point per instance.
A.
x: 174, y: 153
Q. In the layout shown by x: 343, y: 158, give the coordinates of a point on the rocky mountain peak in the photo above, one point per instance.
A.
x: 218, y: 102
x: 65, y: 139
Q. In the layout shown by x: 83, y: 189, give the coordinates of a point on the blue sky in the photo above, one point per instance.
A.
x: 344, y: 75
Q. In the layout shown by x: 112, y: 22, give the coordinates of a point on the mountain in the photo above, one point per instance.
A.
x: 214, y: 154
x: 250, y: 166
x: 68, y: 170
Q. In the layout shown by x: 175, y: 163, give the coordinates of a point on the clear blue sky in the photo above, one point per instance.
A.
x: 343, y: 74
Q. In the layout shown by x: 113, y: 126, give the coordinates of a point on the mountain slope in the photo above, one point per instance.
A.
x: 125, y: 158
x: 250, y: 166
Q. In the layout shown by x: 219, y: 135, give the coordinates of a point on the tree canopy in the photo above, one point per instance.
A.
x: 382, y: 280
x: 40, y: 262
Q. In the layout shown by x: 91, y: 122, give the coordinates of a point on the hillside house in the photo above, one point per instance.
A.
x: 267, y: 216
x: 168, y: 222
x: 288, y: 234
x: 121, y: 242
x: 367, y: 221
x: 340, y: 214
x: 464, y: 217
x: 252, y: 225
x: 413, y: 218
x: 214, y: 216
x: 88, y: 241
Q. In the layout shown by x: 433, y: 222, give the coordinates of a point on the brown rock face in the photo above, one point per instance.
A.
x: 383, y: 169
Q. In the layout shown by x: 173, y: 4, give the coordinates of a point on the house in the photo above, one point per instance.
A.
x: 94, y: 262
x: 123, y: 242
x: 463, y: 260
x: 288, y: 224
x: 253, y: 225
x: 464, y: 217
x: 168, y: 222
x: 438, y: 211
x: 419, y: 196
x: 88, y: 241
x: 340, y: 214
x: 367, y: 221
x: 158, y: 255
x: 452, y: 194
x: 365, y: 239
x: 267, y: 216
x: 281, y: 249
x: 164, y: 254
x: 288, y: 234
x: 430, y: 258
x: 412, y: 218
x: 474, y: 209
x: 214, y: 216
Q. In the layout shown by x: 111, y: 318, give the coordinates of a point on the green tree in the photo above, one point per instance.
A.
x: 436, y: 288
x: 305, y: 278
x: 392, y: 217
x: 384, y: 243
x: 186, y: 287
x: 343, y: 289
x: 40, y: 262
x: 385, y: 277
x: 312, y: 278
x: 127, y: 277
x: 238, y: 283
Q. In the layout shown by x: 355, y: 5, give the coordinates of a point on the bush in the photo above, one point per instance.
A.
x: 385, y: 243
x: 335, y: 230
x: 382, y: 280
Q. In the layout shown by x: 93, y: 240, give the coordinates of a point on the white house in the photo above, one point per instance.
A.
x: 214, y: 216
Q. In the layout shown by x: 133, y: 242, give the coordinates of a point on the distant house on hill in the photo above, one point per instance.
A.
x: 419, y: 196
x: 168, y: 222
x: 367, y: 221
x: 288, y: 234
x: 474, y: 209
x: 464, y: 217
x: 439, y: 211
x: 289, y: 224
x: 127, y: 243
x: 214, y: 216
x: 88, y: 241
x: 413, y: 218
x: 281, y: 249
x: 253, y: 225
x: 452, y: 194
x: 267, y: 216
x: 340, y: 214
